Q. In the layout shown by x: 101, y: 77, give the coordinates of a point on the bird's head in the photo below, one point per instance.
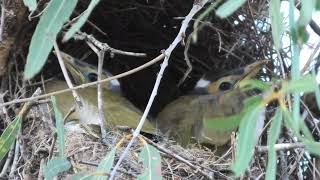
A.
x: 82, y: 72
x: 230, y: 80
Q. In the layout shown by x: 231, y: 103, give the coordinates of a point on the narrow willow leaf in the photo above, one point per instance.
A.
x: 31, y: 4
x: 254, y: 84
x: 246, y: 139
x: 59, y: 126
x: 289, y: 121
x: 52, y: 20
x: 317, y: 6
x: 8, y: 136
x: 80, y: 22
x: 299, y: 35
x: 231, y: 122
x: 151, y: 159
x: 55, y: 166
x: 312, y: 146
x: 106, y: 165
x: 305, y: 130
x: 275, y: 128
x: 298, y: 127
x: 305, y: 84
x: 82, y: 176
x: 229, y: 7
x: 273, y: 135
x: 307, y: 7
x: 317, y: 90
x: 276, y: 22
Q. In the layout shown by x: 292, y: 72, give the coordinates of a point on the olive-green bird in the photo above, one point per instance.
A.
x: 118, y: 110
x: 184, y: 118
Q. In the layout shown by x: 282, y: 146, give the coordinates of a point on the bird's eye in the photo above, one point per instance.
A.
x: 224, y: 86
x: 92, y: 77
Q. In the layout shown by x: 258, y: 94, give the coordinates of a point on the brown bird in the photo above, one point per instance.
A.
x: 184, y: 118
x: 119, y: 112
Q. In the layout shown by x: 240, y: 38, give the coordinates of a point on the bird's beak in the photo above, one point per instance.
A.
x: 233, y: 78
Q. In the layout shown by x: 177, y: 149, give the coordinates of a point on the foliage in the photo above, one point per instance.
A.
x: 59, y: 11
x: 296, y: 87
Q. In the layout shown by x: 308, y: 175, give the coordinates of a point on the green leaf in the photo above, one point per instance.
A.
x: 55, y: 166
x: 276, y: 22
x: 59, y: 126
x: 247, y: 139
x: 297, y: 127
x: 317, y: 6
x: 273, y: 135
x: 317, y: 90
x: 84, y: 16
x: 82, y: 176
x: 31, y: 4
x: 299, y: 35
x: 52, y: 20
x: 229, y: 7
x: 151, y: 159
x: 8, y: 136
x: 231, y: 122
x: 289, y: 121
x: 305, y: 84
x: 275, y: 127
x: 305, y: 130
x: 307, y: 7
x: 106, y: 165
x: 254, y: 84
x: 312, y: 146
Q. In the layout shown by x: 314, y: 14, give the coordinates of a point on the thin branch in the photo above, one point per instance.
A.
x: 310, y: 59
x: 153, y: 61
x: 15, y: 160
x: 279, y: 147
x: 105, y: 46
x: 197, y: 6
x: 66, y: 76
x: 6, y: 165
x: 100, y: 100
x: 2, y: 20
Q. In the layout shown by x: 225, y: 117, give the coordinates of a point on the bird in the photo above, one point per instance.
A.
x: 118, y: 111
x: 184, y: 118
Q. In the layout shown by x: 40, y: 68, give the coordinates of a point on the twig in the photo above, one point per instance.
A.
x: 100, y: 100
x: 279, y: 147
x: 42, y: 165
x: 15, y: 160
x: 198, y: 4
x: 7, y: 163
x: 3, y: 9
x: 179, y: 158
x: 4, y: 109
x: 66, y: 76
x: 187, y: 59
x: 310, y: 59
x: 16, y: 101
x: 105, y: 46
